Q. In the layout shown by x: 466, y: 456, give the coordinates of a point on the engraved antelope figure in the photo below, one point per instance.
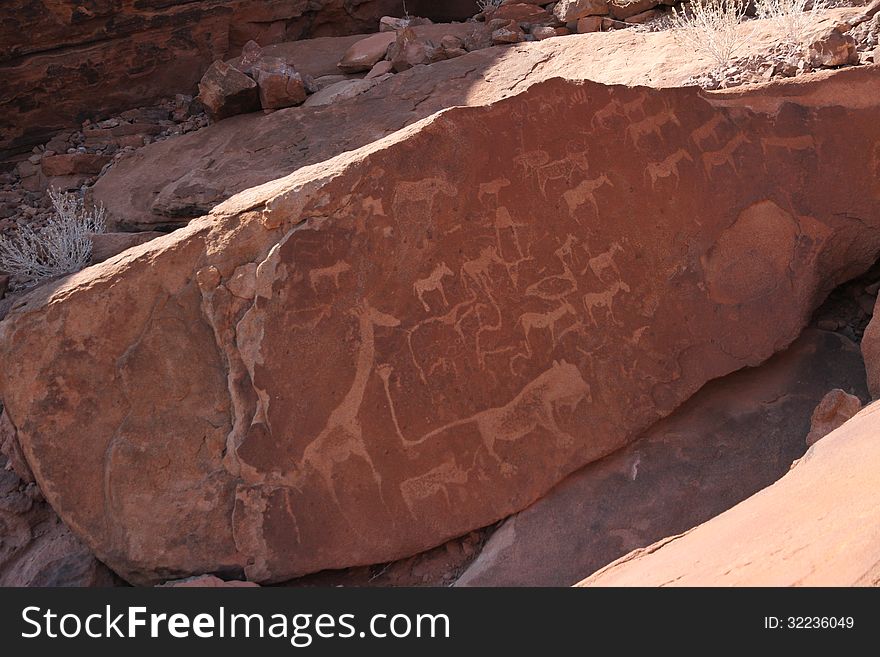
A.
x: 713, y: 159
x: 709, y: 130
x: 432, y: 283
x: 668, y: 167
x: 604, y: 299
x: 651, y: 124
x: 585, y: 192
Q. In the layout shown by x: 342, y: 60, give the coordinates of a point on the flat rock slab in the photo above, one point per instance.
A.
x: 817, y: 526
x: 734, y: 437
x: 381, y: 352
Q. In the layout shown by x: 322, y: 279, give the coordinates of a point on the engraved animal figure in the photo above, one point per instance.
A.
x: 538, y: 164
x: 585, y: 192
x: 668, y: 167
x: 637, y: 105
x: 432, y: 283
x: 491, y: 188
x: 651, y: 124
x: 799, y: 143
x: 548, y: 320
x: 602, y: 117
x: 709, y: 130
x: 561, y: 388
x: 436, y: 480
x: 604, y: 299
x: 332, y: 272
x: 604, y: 262
x: 421, y: 191
x: 342, y: 439
x: 713, y: 159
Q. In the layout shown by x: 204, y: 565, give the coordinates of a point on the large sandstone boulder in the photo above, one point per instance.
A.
x: 382, y: 351
x: 734, y: 437
x: 817, y: 526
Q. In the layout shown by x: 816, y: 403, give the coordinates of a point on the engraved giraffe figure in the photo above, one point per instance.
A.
x: 342, y: 438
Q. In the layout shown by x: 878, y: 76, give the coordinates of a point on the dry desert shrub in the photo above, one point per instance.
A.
x: 62, y: 246
x: 712, y: 28
x: 483, y: 5
x: 793, y: 18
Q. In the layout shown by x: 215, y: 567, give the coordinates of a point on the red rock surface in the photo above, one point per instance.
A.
x: 734, y: 437
x: 817, y: 526
x: 263, y: 384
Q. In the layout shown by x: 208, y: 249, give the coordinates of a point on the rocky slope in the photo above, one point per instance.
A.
x: 61, y: 62
x: 380, y: 352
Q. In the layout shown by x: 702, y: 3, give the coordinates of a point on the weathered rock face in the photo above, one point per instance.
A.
x: 61, y: 61
x: 817, y: 526
x: 734, y: 437
x: 381, y: 352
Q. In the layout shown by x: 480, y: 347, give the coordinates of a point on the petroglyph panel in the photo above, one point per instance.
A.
x: 421, y: 337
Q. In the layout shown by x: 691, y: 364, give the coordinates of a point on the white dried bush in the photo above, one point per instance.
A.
x: 62, y: 246
x: 793, y: 18
x: 483, y: 5
x: 712, y: 28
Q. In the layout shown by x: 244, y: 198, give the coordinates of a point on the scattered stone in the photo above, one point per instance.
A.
x: 67, y: 164
x: 278, y: 83
x: 524, y: 13
x: 381, y: 68
x: 393, y: 24
x: 510, y: 33
x: 833, y: 49
x: 568, y: 11
x: 225, y: 91
x: 589, y: 24
x: 410, y: 49
x: 543, y: 32
x: 621, y: 10
x: 364, y: 54
x: 644, y: 17
x: 835, y: 408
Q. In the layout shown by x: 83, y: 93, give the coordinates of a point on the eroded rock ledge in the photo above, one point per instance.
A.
x: 380, y: 352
